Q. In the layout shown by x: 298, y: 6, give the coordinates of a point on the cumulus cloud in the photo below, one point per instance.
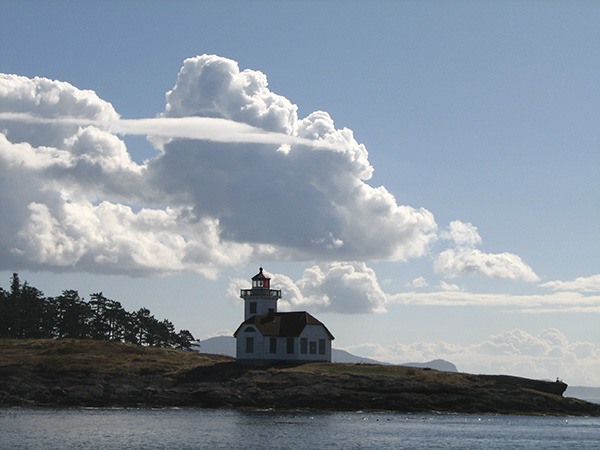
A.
x: 109, y: 236
x: 464, y: 258
x: 515, y: 342
x: 548, y: 355
x: 237, y: 175
x: 212, y: 86
x: 579, y: 284
x: 311, y: 203
x: 463, y: 261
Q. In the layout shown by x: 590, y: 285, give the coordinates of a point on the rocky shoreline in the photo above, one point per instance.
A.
x: 92, y: 373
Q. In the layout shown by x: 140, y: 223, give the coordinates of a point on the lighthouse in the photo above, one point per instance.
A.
x: 267, y: 336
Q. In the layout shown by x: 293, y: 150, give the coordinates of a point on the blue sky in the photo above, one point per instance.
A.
x: 481, y: 118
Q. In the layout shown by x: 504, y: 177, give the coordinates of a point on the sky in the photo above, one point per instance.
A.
x: 420, y: 176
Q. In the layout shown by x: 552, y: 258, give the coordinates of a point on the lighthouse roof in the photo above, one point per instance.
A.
x: 260, y: 275
x: 287, y: 324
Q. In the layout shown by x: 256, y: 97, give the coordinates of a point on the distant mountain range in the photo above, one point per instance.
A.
x: 225, y: 345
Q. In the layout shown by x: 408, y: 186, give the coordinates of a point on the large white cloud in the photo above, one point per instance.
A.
x: 342, y: 287
x: 310, y: 202
x: 72, y: 198
x: 548, y: 355
x: 83, y: 204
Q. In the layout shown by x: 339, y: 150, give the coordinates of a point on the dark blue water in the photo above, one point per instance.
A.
x: 190, y: 428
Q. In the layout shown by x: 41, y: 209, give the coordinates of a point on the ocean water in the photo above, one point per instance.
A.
x: 191, y: 428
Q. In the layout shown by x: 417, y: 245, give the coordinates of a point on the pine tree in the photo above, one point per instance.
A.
x: 26, y: 313
x: 73, y: 316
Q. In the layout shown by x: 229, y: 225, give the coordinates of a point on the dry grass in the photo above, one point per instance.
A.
x: 89, y: 356
x: 339, y: 370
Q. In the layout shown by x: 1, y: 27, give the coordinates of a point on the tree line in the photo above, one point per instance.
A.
x: 25, y: 313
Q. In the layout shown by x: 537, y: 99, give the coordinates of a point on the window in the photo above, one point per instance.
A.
x: 252, y: 307
x: 273, y: 345
x: 249, y: 345
x: 303, y: 345
x: 313, y: 347
x: 290, y: 345
x: 249, y: 330
x: 321, y: 346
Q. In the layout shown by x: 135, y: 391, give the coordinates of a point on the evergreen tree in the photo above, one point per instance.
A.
x: 144, y: 321
x: 184, y: 340
x: 99, y: 327
x: 5, y: 311
x: 26, y: 313
x: 12, y: 321
x: 165, y: 334
x: 29, y: 313
x: 116, y: 318
x: 73, y: 316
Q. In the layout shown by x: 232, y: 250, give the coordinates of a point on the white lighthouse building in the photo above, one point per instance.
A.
x: 267, y: 336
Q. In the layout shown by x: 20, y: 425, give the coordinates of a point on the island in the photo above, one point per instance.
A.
x: 81, y: 373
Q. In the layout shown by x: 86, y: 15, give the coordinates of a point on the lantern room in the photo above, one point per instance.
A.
x: 260, y: 280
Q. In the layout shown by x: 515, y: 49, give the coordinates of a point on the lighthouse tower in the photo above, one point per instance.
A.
x: 261, y: 300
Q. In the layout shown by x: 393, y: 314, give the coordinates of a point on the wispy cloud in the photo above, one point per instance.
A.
x: 199, y: 128
x: 463, y: 298
x: 562, y: 310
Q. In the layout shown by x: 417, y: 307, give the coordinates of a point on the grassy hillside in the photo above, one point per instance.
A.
x: 105, y: 357
x: 101, y: 373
